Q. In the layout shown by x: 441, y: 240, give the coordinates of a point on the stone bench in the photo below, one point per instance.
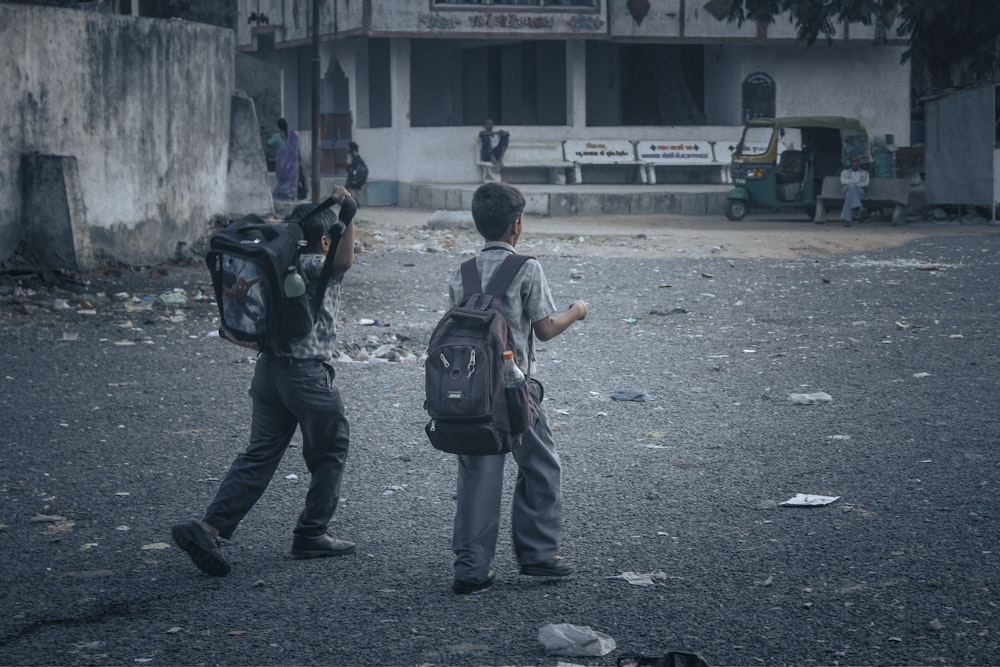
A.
x: 681, y: 153
x: 546, y: 155
x: 602, y: 152
x: 880, y: 193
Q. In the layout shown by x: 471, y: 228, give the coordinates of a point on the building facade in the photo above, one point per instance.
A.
x: 413, y: 80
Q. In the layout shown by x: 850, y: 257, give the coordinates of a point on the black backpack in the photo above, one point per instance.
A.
x: 259, y: 290
x: 357, y: 174
x: 470, y: 410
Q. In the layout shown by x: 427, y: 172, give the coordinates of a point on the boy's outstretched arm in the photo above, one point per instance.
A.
x: 553, y: 325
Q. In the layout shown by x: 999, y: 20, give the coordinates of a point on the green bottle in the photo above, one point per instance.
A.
x: 294, y: 286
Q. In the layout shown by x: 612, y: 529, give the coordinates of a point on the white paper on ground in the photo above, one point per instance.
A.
x: 808, y: 500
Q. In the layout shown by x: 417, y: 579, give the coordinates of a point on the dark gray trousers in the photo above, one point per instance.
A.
x: 287, y: 393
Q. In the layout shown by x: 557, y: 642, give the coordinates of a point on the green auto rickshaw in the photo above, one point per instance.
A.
x: 780, y: 163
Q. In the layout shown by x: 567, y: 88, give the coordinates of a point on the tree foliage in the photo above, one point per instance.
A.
x: 956, y: 41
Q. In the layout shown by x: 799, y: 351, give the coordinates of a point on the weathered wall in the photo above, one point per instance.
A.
x: 143, y: 105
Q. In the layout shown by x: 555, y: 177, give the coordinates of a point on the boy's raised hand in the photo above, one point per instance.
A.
x: 340, y: 193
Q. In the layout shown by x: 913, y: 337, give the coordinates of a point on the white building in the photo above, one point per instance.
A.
x: 412, y: 80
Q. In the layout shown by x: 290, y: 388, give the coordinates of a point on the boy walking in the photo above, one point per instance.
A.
x: 289, y: 391
x: 536, y: 514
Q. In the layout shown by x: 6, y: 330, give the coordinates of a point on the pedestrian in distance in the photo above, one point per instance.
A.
x: 286, y: 161
x: 293, y: 389
x: 536, y: 513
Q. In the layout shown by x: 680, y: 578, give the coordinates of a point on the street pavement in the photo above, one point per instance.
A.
x: 121, y: 412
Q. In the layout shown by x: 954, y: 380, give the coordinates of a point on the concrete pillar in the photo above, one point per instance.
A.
x: 576, y: 83
x: 54, y: 230
x: 248, y: 189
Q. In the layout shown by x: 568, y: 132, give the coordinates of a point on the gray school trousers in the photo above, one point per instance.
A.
x: 536, y: 513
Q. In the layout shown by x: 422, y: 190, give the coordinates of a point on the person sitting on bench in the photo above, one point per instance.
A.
x: 493, y: 143
x: 854, y: 181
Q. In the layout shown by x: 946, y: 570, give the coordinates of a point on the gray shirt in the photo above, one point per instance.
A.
x: 319, y: 343
x: 526, y: 301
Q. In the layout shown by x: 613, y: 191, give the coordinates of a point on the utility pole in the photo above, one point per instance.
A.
x: 315, y: 101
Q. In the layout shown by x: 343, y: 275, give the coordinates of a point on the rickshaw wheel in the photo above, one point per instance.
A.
x: 736, y: 209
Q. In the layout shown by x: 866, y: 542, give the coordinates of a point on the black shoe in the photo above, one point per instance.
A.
x: 557, y: 567
x: 320, y: 546
x: 201, y: 546
x: 466, y: 587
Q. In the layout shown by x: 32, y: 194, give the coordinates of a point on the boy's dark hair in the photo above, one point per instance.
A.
x: 315, y: 227
x: 283, y: 125
x: 495, y: 207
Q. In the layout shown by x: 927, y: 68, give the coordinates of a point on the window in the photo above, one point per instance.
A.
x: 645, y: 84
x: 463, y: 82
x: 758, y: 96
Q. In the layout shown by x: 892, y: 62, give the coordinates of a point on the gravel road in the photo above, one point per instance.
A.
x: 122, y: 412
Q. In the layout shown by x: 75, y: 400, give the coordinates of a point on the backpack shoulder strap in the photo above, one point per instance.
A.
x: 504, y: 276
x: 471, y: 282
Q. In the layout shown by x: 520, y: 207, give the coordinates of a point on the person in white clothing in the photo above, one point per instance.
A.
x: 854, y: 181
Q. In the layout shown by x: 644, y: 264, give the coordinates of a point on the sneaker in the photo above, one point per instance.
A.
x: 467, y: 587
x: 201, y: 546
x: 320, y: 546
x: 557, y: 567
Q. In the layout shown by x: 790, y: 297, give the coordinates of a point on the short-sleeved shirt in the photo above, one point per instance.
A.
x: 319, y: 343
x: 526, y: 301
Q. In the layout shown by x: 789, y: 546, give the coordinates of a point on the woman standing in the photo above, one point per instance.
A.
x: 286, y: 161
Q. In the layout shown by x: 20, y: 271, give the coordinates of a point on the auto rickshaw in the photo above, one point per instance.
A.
x: 780, y: 163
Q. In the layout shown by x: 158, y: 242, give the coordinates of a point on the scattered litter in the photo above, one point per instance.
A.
x: 956, y: 336
x: 576, y: 275
x: 810, y: 399
x: 69, y: 336
x: 173, y: 298
x: 630, y: 320
x: 291, y: 475
x: 632, y: 395
x: 574, y: 640
x: 657, y: 578
x: 921, y: 375
x: 60, y: 304
x: 904, y: 327
x: 672, y: 659
x: 839, y: 437
x: 155, y: 546
x: 368, y: 322
x: 807, y: 500
x: 929, y: 267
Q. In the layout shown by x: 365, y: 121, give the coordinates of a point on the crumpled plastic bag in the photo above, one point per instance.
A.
x: 574, y: 640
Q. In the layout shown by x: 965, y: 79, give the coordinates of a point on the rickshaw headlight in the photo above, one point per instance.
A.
x: 757, y: 172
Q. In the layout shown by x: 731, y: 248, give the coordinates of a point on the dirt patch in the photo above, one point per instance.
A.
x: 657, y: 236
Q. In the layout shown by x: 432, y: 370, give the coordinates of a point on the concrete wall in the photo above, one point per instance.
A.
x: 860, y: 81
x: 142, y: 104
